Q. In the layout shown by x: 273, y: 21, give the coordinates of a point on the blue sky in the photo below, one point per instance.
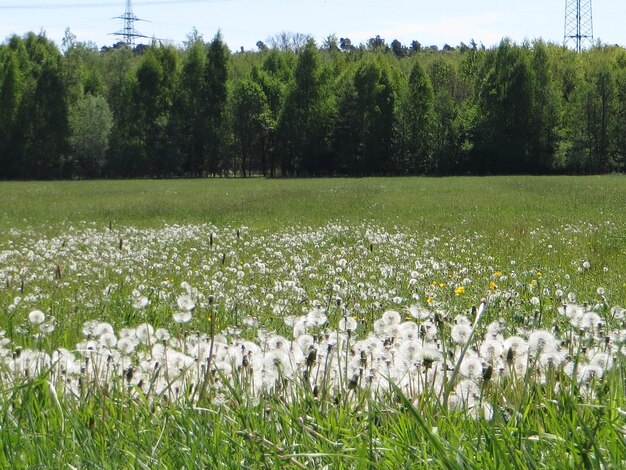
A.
x: 244, y: 22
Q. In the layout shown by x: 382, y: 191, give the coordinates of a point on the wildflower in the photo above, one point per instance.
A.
x: 471, y: 367
x: 601, y: 359
x: 408, y: 330
x: 459, y: 290
x: 347, y: 324
x: 102, y: 328
x: 418, y: 313
x: 490, y: 350
x: 36, y: 317
x: 46, y: 328
x: 108, y: 340
x: 494, y: 330
x: 514, y: 347
x: 618, y: 313
x: 410, y: 352
x: 591, y: 321
x: 162, y: 334
x: 551, y: 359
x: 431, y: 356
x: 185, y: 303
x: 541, y: 341
x: 145, y: 332
x: 391, y: 317
x: 139, y: 301
x: 461, y: 333
x: 317, y: 317
x: 182, y: 317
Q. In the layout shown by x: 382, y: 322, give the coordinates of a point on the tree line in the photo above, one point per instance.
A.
x: 298, y: 109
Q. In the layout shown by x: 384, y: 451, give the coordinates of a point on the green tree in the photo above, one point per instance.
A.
x: 252, y: 124
x: 365, y: 127
x: 42, y: 118
x: 303, y: 125
x: 215, y: 95
x: 451, y: 99
x: 618, y: 123
x: 187, y: 122
x: 416, y: 122
x: 273, y: 78
x: 503, y: 134
x: 9, y: 102
x: 90, y: 123
x: 545, y: 113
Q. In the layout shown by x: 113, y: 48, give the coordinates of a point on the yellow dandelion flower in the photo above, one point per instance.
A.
x: 429, y: 299
x: 442, y: 284
x: 492, y: 285
x: 459, y: 290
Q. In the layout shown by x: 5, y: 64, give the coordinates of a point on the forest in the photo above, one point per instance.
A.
x: 295, y: 108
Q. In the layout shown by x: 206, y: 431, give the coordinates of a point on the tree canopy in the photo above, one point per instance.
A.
x: 296, y: 108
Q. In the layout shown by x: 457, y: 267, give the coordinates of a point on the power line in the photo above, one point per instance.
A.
x: 59, y: 6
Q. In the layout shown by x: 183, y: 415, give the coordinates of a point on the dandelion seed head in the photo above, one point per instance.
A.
x: 471, y: 367
x: 391, y: 317
x: 36, y: 317
x: 461, y: 333
x: 102, y: 328
x: 145, y: 333
x: 126, y: 345
x: 541, y: 341
x: 347, y: 323
x: 418, y: 312
x: 185, y: 303
x: 182, y: 317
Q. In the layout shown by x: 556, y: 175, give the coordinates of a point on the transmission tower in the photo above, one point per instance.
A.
x: 578, y: 23
x: 129, y: 33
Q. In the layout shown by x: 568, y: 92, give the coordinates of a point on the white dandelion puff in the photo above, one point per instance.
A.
x: 347, y: 324
x: 182, y: 317
x: 139, y: 301
x: 461, y: 333
x: 185, y: 303
x: 36, y: 317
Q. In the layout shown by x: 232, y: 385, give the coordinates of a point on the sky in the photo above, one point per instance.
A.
x: 244, y: 22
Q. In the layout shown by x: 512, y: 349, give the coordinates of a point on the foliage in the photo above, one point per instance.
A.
x: 90, y: 121
x: 336, y: 109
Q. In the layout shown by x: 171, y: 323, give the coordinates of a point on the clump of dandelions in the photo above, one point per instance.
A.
x: 186, y: 305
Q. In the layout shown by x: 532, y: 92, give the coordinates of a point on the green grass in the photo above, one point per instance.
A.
x: 478, y: 203
x: 514, y: 235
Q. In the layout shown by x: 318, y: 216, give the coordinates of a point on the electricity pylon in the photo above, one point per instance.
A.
x: 129, y: 33
x: 578, y: 24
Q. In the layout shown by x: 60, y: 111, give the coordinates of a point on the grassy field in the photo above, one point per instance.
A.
x: 348, y: 323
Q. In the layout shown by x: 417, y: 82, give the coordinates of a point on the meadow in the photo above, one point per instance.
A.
x: 338, y: 323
